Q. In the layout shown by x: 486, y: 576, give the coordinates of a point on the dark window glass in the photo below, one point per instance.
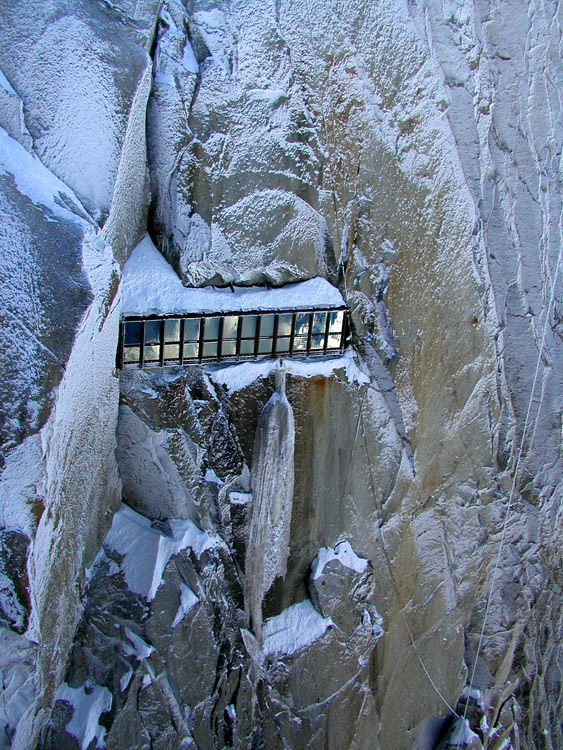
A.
x: 152, y: 353
x: 247, y: 346
x: 152, y: 332
x: 191, y: 351
x: 171, y: 331
x: 284, y: 325
x: 282, y: 344
x: 191, y: 329
x: 228, y: 348
x: 211, y: 331
x: 336, y: 320
x: 210, y: 349
x: 334, y: 341
x: 248, y: 326
x: 302, y: 324
x: 230, y: 327
x: 265, y: 346
x: 172, y: 351
x: 267, y: 325
x: 131, y: 354
x: 132, y: 333
x: 319, y: 322
x: 317, y: 342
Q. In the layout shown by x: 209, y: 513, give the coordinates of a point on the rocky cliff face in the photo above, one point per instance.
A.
x: 411, y: 154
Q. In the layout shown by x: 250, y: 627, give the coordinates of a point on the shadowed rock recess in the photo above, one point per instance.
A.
x: 358, y: 552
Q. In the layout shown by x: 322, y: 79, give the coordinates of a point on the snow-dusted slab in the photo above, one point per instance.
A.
x: 295, y: 628
x: 150, y: 286
x: 146, y: 550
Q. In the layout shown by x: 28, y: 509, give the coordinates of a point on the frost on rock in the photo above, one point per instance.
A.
x: 270, y: 513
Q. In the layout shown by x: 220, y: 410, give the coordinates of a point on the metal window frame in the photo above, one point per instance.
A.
x: 220, y: 357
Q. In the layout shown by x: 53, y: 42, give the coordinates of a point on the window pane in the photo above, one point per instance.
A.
x: 229, y: 348
x: 334, y: 341
x: 172, y: 351
x: 211, y: 332
x: 319, y: 322
x: 267, y: 325
x: 191, y: 329
x: 152, y: 353
x: 210, y: 349
x: 248, y: 326
x: 230, y: 326
x: 282, y: 345
x: 171, y: 330
x: 302, y: 324
x: 132, y: 333
x: 247, y: 347
x: 152, y: 332
x: 265, y: 346
x: 300, y: 344
x: 191, y: 351
x: 131, y: 354
x: 284, y: 325
x: 336, y: 320
x: 317, y: 342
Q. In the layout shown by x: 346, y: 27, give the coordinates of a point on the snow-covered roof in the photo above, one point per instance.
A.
x: 151, y: 287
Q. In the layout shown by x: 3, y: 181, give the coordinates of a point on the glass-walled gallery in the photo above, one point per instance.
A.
x: 163, y: 340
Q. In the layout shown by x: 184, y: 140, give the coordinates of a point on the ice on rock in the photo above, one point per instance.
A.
x: 270, y: 512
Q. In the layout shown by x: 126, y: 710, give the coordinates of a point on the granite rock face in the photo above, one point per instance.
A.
x: 410, y: 152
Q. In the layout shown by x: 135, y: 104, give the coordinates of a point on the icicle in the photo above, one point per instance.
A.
x: 272, y: 488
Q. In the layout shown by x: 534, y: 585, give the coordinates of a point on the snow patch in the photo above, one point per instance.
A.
x: 140, y: 649
x: 240, y: 498
x: 342, y: 552
x: 6, y: 85
x: 211, y: 476
x: 189, y: 59
x: 146, y: 550
x: 151, y: 287
x: 295, y: 628
x: 239, y: 376
x: 125, y: 679
x: 188, y: 600
x: 89, y: 702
